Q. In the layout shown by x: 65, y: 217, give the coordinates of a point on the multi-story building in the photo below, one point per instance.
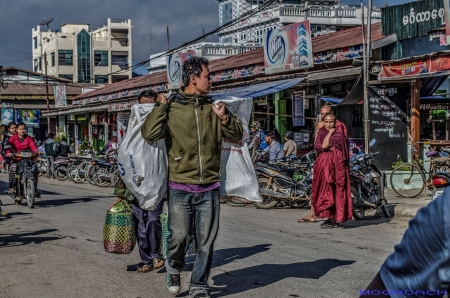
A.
x: 325, y: 16
x: 209, y: 50
x: 73, y: 52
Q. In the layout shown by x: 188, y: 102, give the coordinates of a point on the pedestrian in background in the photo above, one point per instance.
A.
x: 148, y: 222
x: 326, y: 109
x: 50, y: 151
x: 331, y: 196
x: 255, y: 128
x: 290, y: 147
x: 195, y: 128
x: 274, y: 149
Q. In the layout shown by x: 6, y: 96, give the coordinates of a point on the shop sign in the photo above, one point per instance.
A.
x: 7, y: 116
x: 298, y: 109
x: 122, y: 124
x: 122, y: 106
x: 435, y: 106
x: 416, y: 68
x: 288, y: 48
x: 60, y: 96
x: 175, y: 68
x: 29, y: 117
x: 340, y: 54
x: 235, y: 73
x: 413, y: 19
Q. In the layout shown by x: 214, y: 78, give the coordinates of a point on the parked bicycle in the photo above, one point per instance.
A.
x: 409, y: 178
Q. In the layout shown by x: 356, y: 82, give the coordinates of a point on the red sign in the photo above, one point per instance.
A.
x: 416, y: 68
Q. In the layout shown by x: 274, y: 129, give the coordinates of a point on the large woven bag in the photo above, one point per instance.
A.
x: 119, y: 235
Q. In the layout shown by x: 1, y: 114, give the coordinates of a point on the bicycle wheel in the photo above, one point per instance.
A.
x: 407, y: 180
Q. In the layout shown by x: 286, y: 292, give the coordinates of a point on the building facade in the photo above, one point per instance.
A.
x: 74, y: 52
x: 324, y: 16
x: 209, y: 50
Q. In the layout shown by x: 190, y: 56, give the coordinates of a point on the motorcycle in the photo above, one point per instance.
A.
x: 27, y: 176
x: 285, y: 183
x: 440, y: 181
x: 367, y: 185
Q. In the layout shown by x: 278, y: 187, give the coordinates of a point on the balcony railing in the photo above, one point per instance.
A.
x: 326, y: 12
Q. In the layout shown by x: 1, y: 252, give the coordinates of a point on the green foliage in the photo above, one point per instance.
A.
x: 86, y: 145
x: 406, y: 166
x: 58, y: 138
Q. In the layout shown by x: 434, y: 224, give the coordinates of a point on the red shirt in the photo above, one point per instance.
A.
x: 18, y: 144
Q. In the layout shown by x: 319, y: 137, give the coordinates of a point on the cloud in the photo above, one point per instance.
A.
x: 186, y: 18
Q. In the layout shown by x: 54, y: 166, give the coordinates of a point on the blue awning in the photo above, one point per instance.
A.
x: 331, y: 99
x: 257, y: 90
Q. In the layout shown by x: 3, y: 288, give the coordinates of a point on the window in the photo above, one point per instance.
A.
x: 84, y: 56
x: 100, y: 58
x: 65, y: 57
x: 40, y: 63
x: 52, y: 56
x: 66, y: 76
x: 35, y: 42
x: 101, y: 79
x: 36, y: 64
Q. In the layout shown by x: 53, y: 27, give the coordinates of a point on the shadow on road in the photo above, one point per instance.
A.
x: 247, y: 279
x: 61, y: 202
x: 15, y: 214
x: 369, y: 221
x: 224, y: 256
x: 19, y: 239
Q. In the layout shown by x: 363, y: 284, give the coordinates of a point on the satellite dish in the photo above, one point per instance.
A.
x: 46, y: 22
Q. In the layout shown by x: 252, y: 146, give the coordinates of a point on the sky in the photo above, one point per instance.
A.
x: 186, y: 18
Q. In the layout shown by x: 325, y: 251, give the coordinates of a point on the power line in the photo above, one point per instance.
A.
x: 174, y: 50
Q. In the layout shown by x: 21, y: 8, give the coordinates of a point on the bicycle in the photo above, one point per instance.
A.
x: 408, y: 179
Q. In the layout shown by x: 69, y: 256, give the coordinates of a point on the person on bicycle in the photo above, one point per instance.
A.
x: 11, y: 130
x: 19, y: 142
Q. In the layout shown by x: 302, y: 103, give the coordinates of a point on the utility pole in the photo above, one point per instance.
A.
x: 366, y: 78
x: 46, y: 88
x: 168, y: 46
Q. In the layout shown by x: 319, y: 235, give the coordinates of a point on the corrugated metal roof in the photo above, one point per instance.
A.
x: 344, y: 38
x: 147, y: 80
x: 37, y: 89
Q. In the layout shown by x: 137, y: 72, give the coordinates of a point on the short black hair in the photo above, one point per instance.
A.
x: 270, y: 134
x: 193, y: 66
x: 51, y: 135
x: 11, y: 124
x: 21, y: 124
x: 147, y: 93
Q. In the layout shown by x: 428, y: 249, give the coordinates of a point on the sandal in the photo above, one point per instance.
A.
x: 328, y: 224
x: 158, y: 263
x: 145, y: 268
x: 305, y: 220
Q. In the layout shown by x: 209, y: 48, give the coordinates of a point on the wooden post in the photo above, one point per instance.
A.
x: 415, y: 113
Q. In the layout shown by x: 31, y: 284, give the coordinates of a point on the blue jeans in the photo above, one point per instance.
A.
x: 184, y: 208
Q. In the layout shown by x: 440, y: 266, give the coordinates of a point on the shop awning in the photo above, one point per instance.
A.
x: 331, y: 99
x: 257, y: 90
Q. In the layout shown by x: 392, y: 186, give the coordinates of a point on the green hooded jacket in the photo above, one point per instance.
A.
x: 193, y: 134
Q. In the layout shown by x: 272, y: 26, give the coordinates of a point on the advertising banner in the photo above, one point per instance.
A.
x: 7, y: 116
x: 417, y: 68
x: 298, y: 109
x: 60, y: 96
x: 174, y: 68
x: 122, y: 124
x: 288, y: 48
x: 29, y: 117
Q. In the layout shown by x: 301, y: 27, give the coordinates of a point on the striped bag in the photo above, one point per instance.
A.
x: 119, y: 235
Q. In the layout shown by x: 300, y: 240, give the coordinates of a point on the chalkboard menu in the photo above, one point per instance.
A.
x: 388, y: 123
x: 298, y: 109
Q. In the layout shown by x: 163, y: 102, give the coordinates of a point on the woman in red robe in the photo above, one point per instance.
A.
x: 331, y: 194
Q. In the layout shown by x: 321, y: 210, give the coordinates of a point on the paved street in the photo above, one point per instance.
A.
x: 56, y: 250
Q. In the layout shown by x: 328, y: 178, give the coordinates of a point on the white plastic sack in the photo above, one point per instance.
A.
x: 142, y: 164
x: 237, y: 174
